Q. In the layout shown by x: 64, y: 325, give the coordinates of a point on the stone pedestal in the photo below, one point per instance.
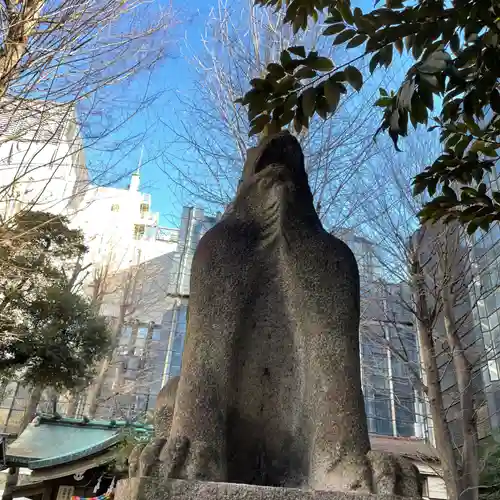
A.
x: 150, y: 488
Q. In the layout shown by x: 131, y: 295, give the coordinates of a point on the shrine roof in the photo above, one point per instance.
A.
x: 49, y: 441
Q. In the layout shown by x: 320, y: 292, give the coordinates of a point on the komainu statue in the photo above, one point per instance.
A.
x: 270, y: 390
x: 143, y: 461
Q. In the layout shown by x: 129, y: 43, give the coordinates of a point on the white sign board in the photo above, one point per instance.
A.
x: 65, y: 492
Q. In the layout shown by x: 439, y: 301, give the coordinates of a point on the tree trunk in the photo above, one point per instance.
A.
x: 444, y: 446
x: 463, y: 370
x: 33, y: 401
x: 29, y: 413
x: 96, y: 388
x: 72, y: 404
x: 10, y: 483
x: 20, y: 27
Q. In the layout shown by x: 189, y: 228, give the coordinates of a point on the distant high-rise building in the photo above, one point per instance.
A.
x: 485, y: 295
x: 42, y: 162
x: 393, y: 405
x: 449, y: 281
x: 194, y: 224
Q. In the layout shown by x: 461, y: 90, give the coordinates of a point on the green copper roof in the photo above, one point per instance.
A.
x: 51, y: 441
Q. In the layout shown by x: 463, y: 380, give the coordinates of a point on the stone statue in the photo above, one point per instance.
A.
x: 270, y: 390
x: 143, y: 461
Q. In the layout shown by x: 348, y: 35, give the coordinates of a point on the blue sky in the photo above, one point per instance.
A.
x: 173, y: 76
x: 168, y: 78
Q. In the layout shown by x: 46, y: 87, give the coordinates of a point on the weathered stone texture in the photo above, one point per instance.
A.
x: 270, y: 390
x: 144, y: 459
x: 168, y: 489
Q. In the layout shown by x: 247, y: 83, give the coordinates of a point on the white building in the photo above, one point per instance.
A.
x: 42, y: 167
x: 42, y: 162
x: 146, y: 270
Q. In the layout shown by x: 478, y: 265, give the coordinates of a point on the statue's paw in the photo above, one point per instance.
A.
x: 183, y: 459
x: 144, y: 458
x: 133, y: 460
x: 349, y: 473
x: 394, y: 475
x: 149, y: 461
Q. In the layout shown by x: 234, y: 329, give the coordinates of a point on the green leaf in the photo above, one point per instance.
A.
x: 290, y: 101
x: 386, y: 55
x: 334, y: 29
x: 431, y: 186
x: 356, y: 41
x: 358, y: 17
x: 427, y: 98
x: 298, y: 50
x: 455, y: 44
x: 462, y: 145
x: 383, y: 102
x: 276, y: 70
x: 344, y: 36
x: 374, y: 62
x: 472, y: 227
x: 485, y: 224
x: 287, y: 116
x: 261, y: 85
x: 320, y: 64
x: 305, y: 73
x: 258, y: 124
x: 322, y: 107
x: 332, y: 94
x: 449, y: 193
x: 354, y: 77
x: 285, y: 58
x: 478, y: 146
x: 345, y: 11
x: 418, y: 109
x: 309, y: 101
x: 495, y: 100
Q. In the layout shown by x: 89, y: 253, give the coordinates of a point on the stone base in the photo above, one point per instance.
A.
x: 150, y: 488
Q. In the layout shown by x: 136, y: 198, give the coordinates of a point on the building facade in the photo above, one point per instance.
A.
x: 194, y: 224
x: 485, y: 295
x: 393, y: 406
x: 42, y: 167
x: 42, y: 161
x: 144, y: 271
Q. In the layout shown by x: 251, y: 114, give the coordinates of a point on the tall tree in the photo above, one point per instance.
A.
x: 434, y: 264
x: 50, y: 335
x: 211, y: 134
x: 74, y: 72
x: 455, y: 46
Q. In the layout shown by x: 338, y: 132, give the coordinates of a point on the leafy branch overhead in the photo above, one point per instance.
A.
x: 456, y: 49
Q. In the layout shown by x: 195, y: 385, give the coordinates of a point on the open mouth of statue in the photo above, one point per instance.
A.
x: 275, y: 154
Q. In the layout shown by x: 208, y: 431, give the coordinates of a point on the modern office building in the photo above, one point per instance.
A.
x: 139, y: 277
x: 394, y: 407
x: 194, y: 224
x: 485, y: 296
x: 154, y: 328
x: 42, y: 162
x: 450, y: 282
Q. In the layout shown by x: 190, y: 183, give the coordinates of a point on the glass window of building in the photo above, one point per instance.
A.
x: 144, y: 210
x: 142, y: 332
x: 139, y: 230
